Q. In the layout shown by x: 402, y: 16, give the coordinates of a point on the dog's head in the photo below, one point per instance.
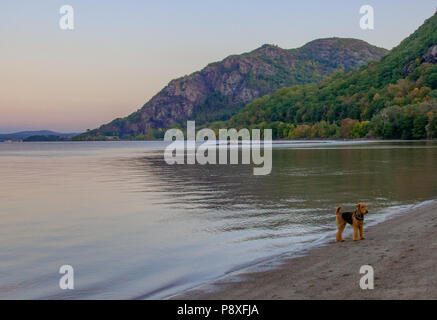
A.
x: 362, y: 208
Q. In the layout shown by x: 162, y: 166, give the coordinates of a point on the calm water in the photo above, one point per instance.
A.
x: 134, y: 227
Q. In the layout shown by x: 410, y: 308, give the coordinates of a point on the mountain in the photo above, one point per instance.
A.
x: 222, y: 88
x: 26, y: 134
x: 395, y: 98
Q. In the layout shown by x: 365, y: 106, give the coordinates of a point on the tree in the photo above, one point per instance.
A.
x: 419, y: 124
x: 431, y: 127
x: 346, y: 127
x: 360, y: 130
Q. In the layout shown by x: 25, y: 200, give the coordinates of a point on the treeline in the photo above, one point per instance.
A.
x: 50, y: 138
x: 405, y: 110
x: 410, y: 122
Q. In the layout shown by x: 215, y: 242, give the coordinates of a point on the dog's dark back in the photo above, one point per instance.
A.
x: 347, y: 216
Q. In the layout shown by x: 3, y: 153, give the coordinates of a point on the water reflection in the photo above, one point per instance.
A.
x: 304, y: 187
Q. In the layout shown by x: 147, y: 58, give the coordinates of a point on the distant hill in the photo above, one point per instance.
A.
x: 222, y: 88
x: 26, y: 134
x: 47, y: 138
x: 394, y: 98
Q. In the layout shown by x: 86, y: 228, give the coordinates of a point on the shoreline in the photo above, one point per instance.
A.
x: 402, y: 251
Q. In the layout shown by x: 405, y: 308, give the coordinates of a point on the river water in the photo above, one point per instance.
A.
x: 134, y: 227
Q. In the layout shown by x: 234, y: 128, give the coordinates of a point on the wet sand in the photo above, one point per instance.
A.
x: 402, y: 251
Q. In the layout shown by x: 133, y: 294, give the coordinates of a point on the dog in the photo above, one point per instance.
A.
x: 356, y: 219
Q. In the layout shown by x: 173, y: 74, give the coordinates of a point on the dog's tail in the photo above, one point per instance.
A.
x: 337, y: 212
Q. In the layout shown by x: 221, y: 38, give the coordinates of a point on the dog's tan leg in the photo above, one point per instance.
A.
x: 362, y: 233
x: 356, y: 231
x: 340, y: 227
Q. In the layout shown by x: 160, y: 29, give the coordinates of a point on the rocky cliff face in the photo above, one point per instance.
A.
x: 431, y: 55
x: 221, y: 89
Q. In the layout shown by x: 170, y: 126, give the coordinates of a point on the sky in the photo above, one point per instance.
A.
x: 121, y: 53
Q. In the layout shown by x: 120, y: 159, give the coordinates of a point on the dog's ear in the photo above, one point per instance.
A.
x: 362, y: 208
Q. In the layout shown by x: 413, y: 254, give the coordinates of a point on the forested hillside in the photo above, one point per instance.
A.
x: 392, y: 98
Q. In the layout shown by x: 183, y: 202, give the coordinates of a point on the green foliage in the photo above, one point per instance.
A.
x: 419, y: 124
x: 360, y: 130
x: 387, y: 99
x: 431, y: 127
x: 430, y: 76
x: 216, y: 107
x: 407, y: 122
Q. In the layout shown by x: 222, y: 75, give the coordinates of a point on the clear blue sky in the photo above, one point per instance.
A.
x: 121, y: 53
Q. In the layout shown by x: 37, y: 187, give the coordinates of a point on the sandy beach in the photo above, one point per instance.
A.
x: 402, y: 251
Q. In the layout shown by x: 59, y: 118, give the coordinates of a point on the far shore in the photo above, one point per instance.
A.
x: 274, y: 140
x: 402, y: 252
